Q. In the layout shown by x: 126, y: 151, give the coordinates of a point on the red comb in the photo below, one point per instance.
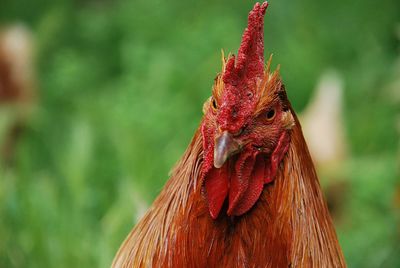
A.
x: 250, y: 59
x: 240, y: 76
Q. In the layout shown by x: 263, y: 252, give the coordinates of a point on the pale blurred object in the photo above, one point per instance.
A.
x: 324, y: 131
x: 322, y: 122
x: 17, y: 86
x: 16, y: 65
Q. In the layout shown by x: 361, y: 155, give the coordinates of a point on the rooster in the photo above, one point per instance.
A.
x: 245, y: 193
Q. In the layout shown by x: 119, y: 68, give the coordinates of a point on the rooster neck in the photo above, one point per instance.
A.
x: 296, y: 199
x: 288, y: 227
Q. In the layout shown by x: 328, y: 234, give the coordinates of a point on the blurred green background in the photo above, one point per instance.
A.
x: 120, y: 90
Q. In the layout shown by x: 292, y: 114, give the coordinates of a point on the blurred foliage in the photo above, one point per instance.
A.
x: 121, y: 89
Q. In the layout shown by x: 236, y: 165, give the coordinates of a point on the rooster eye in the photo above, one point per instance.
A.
x: 214, y: 104
x: 270, y: 114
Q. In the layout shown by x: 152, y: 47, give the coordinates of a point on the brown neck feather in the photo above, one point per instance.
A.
x: 299, y: 199
x: 288, y: 227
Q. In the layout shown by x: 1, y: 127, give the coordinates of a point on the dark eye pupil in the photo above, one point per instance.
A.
x: 214, y: 104
x: 270, y: 114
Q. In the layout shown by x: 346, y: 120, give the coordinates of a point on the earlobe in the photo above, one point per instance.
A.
x: 288, y: 120
x: 276, y: 157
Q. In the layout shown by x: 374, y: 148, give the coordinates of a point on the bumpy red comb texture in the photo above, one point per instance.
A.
x: 241, y: 74
x: 250, y: 59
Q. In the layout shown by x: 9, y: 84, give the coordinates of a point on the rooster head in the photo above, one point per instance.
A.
x: 246, y: 125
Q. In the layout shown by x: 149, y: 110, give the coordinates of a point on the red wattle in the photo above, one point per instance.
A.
x: 240, y: 180
x: 217, y: 185
x: 250, y: 194
x: 243, y: 176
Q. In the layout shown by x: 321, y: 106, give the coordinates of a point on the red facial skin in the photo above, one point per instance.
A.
x: 263, y: 144
x: 260, y: 138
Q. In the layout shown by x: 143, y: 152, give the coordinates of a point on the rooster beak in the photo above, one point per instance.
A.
x: 225, y: 146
